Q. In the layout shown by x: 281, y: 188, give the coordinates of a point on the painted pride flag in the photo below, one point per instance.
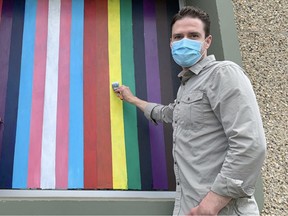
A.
x: 64, y: 128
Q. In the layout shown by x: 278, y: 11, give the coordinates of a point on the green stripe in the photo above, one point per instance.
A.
x: 128, y: 79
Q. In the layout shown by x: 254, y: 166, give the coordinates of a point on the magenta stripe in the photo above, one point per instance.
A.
x: 154, y: 95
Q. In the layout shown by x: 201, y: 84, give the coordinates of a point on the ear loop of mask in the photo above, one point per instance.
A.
x: 201, y: 50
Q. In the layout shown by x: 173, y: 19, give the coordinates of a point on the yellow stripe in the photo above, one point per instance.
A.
x: 116, y: 106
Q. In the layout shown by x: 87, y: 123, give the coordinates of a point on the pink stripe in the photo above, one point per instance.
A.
x: 63, y: 97
x: 34, y: 164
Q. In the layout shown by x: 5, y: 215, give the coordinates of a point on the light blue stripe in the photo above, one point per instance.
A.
x: 76, y: 138
x: 20, y: 169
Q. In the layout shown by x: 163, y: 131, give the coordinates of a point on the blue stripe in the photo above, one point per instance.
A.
x: 76, y: 138
x: 20, y: 169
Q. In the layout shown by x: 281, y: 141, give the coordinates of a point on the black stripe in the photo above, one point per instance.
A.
x: 7, y: 154
x: 172, y: 9
x: 141, y: 92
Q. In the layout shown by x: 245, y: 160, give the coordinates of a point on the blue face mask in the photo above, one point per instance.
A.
x: 186, y: 52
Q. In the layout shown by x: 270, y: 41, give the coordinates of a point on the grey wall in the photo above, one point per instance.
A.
x: 263, y: 38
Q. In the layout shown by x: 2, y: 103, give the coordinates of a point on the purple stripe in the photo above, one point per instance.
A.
x: 154, y: 95
x: 5, y: 39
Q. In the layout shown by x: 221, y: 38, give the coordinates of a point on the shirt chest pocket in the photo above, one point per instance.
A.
x: 191, y: 110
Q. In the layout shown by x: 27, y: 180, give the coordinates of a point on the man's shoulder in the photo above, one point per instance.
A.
x: 224, y: 67
x: 222, y: 64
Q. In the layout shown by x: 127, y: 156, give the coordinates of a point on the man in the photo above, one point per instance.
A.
x: 218, y: 138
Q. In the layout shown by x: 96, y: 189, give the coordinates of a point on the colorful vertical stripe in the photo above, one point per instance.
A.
x: 1, y: 2
x: 141, y: 92
x: 98, y: 159
x: 20, y: 169
x: 48, y: 151
x: 12, y: 94
x: 36, y: 125
x: 64, y: 127
x: 116, y: 110
x: 166, y: 75
x: 76, y: 124
x: 5, y: 41
x: 130, y: 114
x: 154, y: 95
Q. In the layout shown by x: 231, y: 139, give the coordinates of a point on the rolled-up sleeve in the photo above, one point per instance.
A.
x: 159, y: 113
x: 234, y: 103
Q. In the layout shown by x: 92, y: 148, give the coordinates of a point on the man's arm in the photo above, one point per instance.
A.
x: 152, y: 111
x: 234, y: 103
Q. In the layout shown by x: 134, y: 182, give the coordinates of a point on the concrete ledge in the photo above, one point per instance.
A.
x: 87, y: 195
x: 76, y: 202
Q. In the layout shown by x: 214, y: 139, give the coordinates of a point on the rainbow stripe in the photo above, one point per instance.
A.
x: 64, y: 128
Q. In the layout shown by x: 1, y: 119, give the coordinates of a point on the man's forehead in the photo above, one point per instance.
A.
x: 188, y: 25
x: 188, y: 21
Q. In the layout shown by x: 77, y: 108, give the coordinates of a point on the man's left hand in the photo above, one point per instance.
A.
x: 198, y: 210
x: 210, y: 205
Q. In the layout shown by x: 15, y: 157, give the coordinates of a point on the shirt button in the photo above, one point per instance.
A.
x: 178, y: 102
x: 178, y: 183
x: 175, y: 163
x: 175, y: 122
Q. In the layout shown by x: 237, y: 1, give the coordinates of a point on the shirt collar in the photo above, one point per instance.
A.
x: 196, y: 69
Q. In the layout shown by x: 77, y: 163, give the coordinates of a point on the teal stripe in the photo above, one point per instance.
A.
x: 76, y: 138
x: 130, y: 115
x: 20, y: 169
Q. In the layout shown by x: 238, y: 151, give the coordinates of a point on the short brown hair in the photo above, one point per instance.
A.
x: 193, y: 12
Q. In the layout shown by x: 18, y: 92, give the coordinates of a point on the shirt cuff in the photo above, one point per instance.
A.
x: 148, y: 112
x: 229, y: 187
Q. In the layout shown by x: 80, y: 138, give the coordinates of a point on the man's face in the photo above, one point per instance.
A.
x: 190, y: 28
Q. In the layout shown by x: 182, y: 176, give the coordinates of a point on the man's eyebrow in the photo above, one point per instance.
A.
x: 195, y: 33
x: 177, y: 34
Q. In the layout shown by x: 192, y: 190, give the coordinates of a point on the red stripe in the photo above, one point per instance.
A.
x: 34, y: 164
x: 63, y: 97
x: 97, y: 149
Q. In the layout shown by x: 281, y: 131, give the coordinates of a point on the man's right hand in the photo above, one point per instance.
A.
x: 124, y: 93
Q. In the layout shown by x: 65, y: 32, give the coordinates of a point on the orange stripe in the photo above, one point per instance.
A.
x: 97, y: 147
x: 34, y: 163
x: 63, y: 96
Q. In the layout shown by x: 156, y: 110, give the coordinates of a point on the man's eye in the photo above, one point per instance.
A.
x: 177, y: 37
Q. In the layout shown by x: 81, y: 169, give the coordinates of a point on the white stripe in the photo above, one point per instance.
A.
x: 50, y: 101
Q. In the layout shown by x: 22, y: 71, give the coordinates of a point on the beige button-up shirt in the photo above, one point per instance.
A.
x: 218, y: 137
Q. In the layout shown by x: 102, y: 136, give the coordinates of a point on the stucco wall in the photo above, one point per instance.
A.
x: 263, y: 38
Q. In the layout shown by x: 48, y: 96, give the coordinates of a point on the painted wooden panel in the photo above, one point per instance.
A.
x: 64, y: 128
